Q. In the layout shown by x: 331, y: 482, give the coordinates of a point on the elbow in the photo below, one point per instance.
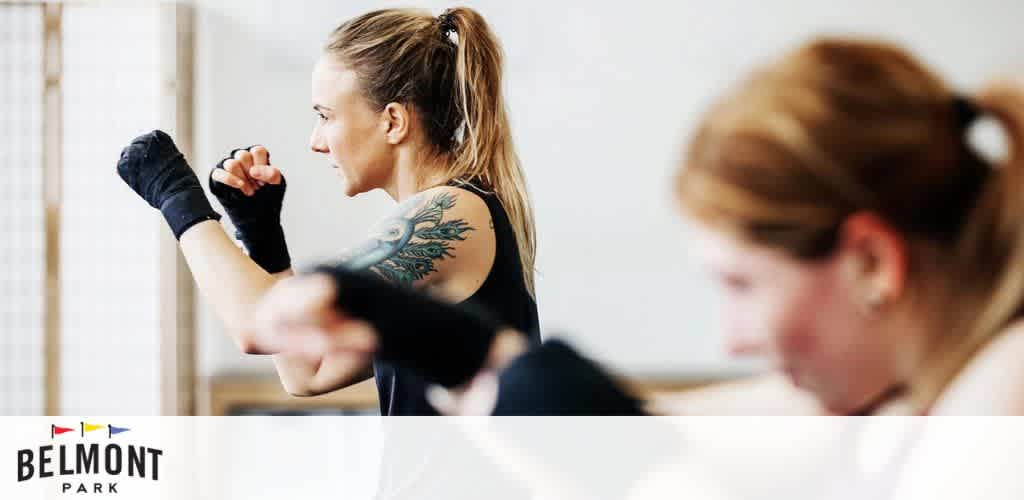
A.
x: 300, y: 386
x: 298, y: 390
x: 243, y: 332
x: 248, y: 345
x: 301, y: 393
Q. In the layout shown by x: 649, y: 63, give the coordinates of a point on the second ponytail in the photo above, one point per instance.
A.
x: 990, y: 250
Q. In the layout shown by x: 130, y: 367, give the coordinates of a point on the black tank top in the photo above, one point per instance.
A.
x: 503, y: 294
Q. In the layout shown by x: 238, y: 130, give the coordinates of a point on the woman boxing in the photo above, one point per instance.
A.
x: 405, y: 102
x: 863, y: 246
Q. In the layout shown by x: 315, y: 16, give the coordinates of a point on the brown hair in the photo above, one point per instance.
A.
x: 455, y: 86
x: 840, y: 126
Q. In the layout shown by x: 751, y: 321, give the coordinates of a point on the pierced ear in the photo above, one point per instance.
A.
x: 395, y: 118
x: 875, y: 255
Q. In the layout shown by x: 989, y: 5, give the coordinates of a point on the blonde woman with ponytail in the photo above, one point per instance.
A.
x: 408, y: 103
x: 863, y: 246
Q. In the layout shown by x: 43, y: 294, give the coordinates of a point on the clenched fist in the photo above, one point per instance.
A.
x: 252, y: 193
x: 154, y: 168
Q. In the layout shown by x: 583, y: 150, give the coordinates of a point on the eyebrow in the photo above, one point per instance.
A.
x: 317, y: 107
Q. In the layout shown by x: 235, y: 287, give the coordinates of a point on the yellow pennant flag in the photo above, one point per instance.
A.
x: 90, y: 427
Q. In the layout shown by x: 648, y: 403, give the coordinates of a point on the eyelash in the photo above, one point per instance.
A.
x: 321, y: 117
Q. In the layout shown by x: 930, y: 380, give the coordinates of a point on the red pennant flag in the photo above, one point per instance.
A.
x: 54, y: 430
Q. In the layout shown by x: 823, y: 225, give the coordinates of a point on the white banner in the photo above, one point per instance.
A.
x: 510, y: 458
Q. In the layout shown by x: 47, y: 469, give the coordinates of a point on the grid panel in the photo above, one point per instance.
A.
x: 21, y: 211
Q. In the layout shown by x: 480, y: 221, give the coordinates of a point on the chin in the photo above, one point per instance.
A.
x: 351, y: 189
x: 837, y: 404
x: 836, y: 407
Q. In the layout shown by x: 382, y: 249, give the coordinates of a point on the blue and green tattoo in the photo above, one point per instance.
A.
x: 407, y: 247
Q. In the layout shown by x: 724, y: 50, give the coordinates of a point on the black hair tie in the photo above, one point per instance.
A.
x: 446, y: 23
x: 965, y: 112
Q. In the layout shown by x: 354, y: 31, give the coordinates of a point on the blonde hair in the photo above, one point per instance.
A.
x: 840, y: 126
x: 408, y: 56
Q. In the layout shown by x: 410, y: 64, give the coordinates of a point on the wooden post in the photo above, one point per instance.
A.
x: 177, y: 289
x: 52, y: 158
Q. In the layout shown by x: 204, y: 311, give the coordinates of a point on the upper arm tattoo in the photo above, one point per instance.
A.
x: 407, y: 246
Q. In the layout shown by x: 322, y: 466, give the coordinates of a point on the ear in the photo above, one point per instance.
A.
x: 395, y: 120
x: 873, y: 257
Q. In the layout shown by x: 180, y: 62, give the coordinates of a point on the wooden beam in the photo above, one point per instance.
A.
x: 177, y: 289
x: 233, y: 393
x: 52, y: 158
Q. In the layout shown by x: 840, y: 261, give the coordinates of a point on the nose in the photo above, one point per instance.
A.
x: 316, y: 142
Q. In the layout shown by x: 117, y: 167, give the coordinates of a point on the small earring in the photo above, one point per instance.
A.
x: 874, y: 301
x: 875, y: 298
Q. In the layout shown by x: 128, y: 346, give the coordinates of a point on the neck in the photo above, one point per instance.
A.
x: 413, y: 173
x: 908, y: 342
x: 930, y: 315
x: 918, y: 337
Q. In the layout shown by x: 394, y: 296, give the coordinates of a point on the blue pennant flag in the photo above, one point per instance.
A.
x: 117, y: 430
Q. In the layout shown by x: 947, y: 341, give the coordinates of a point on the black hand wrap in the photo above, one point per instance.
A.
x: 154, y: 168
x: 553, y: 379
x: 446, y: 344
x: 257, y: 219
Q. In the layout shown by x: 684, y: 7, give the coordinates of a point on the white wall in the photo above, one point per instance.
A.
x: 109, y: 241
x: 602, y: 97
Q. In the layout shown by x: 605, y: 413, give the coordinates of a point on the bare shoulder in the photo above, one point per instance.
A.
x: 472, y: 254
x: 436, y: 238
x: 992, y: 382
x: 447, y: 214
x: 452, y: 202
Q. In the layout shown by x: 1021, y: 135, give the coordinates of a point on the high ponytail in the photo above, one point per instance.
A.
x: 450, y: 68
x: 486, y: 151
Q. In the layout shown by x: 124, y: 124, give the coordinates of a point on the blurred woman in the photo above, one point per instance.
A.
x: 861, y: 242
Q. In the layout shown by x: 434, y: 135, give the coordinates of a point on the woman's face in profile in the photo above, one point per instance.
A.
x: 348, y: 130
x: 805, y: 317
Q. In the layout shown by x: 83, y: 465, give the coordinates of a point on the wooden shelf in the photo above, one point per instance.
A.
x: 238, y: 393
x: 234, y: 394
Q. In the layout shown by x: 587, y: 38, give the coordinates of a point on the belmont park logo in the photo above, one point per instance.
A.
x: 75, y: 462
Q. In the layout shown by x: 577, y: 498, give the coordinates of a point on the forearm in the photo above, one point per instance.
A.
x: 554, y: 379
x: 445, y: 343
x: 228, y: 280
x: 303, y: 376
